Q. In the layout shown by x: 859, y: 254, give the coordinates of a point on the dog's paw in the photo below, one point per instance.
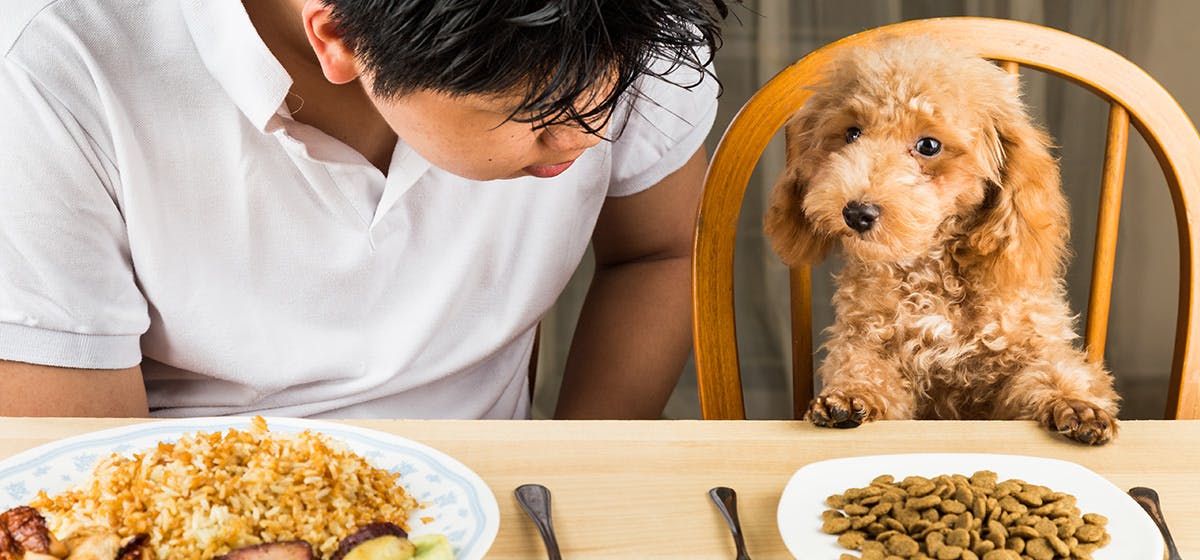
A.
x: 836, y: 409
x: 1081, y: 421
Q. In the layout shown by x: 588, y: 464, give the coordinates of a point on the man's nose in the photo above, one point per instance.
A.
x: 567, y: 138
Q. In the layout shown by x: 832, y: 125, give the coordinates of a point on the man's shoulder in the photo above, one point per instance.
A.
x: 27, y: 26
x: 17, y: 16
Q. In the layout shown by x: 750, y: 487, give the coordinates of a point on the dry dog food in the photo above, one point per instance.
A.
x: 955, y: 517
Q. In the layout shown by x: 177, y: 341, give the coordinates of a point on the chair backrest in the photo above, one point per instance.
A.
x: 1134, y: 97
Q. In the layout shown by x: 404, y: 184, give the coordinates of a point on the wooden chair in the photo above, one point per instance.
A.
x: 1134, y: 97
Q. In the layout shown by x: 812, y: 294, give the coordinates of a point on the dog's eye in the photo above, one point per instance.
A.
x: 852, y: 134
x: 928, y: 147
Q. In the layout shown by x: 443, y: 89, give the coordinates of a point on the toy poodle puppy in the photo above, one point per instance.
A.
x: 920, y: 162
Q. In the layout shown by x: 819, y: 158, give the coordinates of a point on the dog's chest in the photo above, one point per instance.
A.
x: 927, y: 319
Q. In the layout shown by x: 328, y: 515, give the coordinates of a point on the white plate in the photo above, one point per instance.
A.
x: 1134, y: 536
x: 462, y: 506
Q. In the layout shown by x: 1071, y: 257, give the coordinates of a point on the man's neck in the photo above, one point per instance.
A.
x: 342, y: 111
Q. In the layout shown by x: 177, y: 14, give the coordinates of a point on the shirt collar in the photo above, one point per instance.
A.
x: 237, y: 57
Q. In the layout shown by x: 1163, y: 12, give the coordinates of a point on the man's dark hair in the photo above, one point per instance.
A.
x: 552, y: 53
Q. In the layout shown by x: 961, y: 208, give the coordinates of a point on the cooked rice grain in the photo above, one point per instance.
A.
x: 210, y: 493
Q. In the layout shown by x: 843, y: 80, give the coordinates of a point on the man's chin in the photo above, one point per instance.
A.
x: 547, y: 171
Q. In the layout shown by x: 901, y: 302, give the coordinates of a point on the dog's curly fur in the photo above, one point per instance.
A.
x: 952, y: 304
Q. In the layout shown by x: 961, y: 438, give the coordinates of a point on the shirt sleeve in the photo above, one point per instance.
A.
x: 68, y: 296
x: 664, y: 124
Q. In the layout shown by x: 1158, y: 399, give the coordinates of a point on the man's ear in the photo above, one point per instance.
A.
x: 337, y: 60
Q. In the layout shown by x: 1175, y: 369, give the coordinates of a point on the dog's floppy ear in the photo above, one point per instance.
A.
x: 1020, y: 234
x: 791, y: 234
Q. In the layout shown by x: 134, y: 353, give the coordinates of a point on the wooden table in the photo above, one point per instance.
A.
x: 639, y: 489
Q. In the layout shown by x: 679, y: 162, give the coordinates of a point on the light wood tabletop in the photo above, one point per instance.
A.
x: 638, y: 489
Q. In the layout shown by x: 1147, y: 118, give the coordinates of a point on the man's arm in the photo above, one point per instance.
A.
x: 33, y: 390
x: 635, y: 330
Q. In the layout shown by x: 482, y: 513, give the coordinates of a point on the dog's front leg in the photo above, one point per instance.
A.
x: 859, y: 385
x: 1070, y: 397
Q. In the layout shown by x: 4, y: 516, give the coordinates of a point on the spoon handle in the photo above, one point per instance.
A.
x: 535, y: 500
x: 1148, y: 499
x: 726, y: 502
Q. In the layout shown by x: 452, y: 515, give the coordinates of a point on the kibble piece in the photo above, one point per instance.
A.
x: 901, y: 545
x: 1002, y: 555
x: 1089, y: 533
x: 923, y: 502
x: 950, y: 553
x: 917, y: 485
x: 963, y: 493
x: 874, y: 546
x: 1039, y: 549
x: 1095, y: 519
x: 860, y: 522
x: 856, y: 509
x: 906, y: 516
x: 934, y: 542
x: 1060, y: 547
x: 1045, y: 527
x: 952, y: 506
x: 884, y: 536
x: 984, y: 479
x: 979, y: 507
x: 831, y: 514
x: 1024, y: 531
x: 1011, y: 505
x: 1066, y: 527
x: 880, y: 510
x: 852, y: 539
x: 1029, y: 498
x: 859, y: 493
x: 836, y: 525
x: 966, y: 521
x: 919, y: 526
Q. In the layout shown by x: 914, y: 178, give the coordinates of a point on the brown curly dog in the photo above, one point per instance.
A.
x: 920, y: 162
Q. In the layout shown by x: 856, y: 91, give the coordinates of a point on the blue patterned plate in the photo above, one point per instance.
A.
x: 461, y: 505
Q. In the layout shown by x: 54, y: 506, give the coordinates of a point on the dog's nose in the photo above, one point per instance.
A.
x: 860, y: 216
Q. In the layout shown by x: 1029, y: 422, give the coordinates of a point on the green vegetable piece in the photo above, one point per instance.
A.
x: 433, y: 547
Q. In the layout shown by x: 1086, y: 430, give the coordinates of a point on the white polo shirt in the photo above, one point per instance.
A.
x: 158, y: 205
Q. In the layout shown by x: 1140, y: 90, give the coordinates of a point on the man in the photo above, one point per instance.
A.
x: 345, y: 208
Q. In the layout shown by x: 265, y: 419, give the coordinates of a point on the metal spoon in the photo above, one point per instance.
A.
x: 726, y: 502
x: 535, y: 500
x: 1148, y: 499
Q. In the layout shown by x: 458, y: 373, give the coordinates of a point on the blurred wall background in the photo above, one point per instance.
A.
x: 1158, y: 35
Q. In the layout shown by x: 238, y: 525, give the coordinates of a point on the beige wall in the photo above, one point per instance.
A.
x: 1164, y: 41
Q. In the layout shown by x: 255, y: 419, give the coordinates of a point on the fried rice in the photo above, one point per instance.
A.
x: 209, y: 493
